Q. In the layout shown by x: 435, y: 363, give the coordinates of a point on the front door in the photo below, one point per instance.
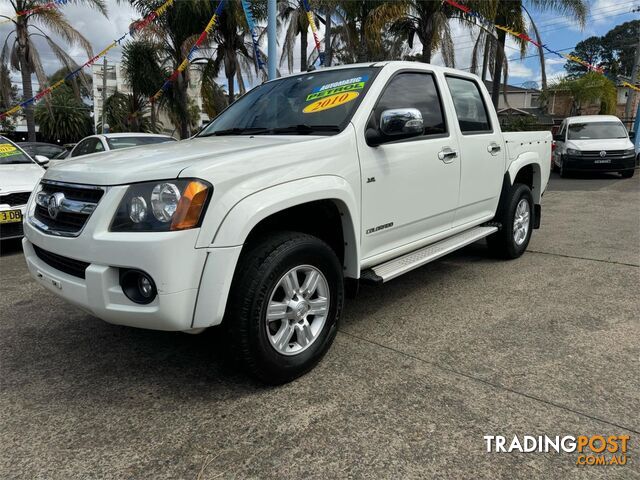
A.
x: 409, y: 188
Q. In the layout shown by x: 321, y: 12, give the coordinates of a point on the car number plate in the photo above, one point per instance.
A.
x: 608, y: 160
x: 10, y: 216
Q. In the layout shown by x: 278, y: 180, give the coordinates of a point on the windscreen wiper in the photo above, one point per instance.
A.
x: 236, y: 131
x: 303, y: 128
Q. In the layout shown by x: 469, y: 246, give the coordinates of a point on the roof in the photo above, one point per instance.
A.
x: 511, y: 88
x: 593, y: 118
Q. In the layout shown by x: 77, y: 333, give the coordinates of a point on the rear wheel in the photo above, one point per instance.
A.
x: 516, y: 217
x: 284, y: 306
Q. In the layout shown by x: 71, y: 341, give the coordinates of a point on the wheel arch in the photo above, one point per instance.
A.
x: 526, y: 170
x: 327, y: 198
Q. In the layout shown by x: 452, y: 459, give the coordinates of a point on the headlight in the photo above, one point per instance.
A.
x: 571, y: 151
x: 162, y: 206
x: 630, y: 151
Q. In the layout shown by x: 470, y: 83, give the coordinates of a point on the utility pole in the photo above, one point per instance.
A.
x: 272, y: 46
x: 631, y: 95
x: 104, y: 92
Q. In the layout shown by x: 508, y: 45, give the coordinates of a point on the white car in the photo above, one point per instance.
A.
x: 19, y: 175
x: 113, y: 141
x: 299, y: 190
x: 594, y: 143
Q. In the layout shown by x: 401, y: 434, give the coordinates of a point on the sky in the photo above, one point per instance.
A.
x: 558, y: 32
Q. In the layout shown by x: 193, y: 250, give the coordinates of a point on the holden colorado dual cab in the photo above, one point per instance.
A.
x: 299, y: 190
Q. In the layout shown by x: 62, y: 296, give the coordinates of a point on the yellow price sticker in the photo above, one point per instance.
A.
x: 330, y: 102
x: 6, y: 148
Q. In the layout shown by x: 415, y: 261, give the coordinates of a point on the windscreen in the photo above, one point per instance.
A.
x: 10, y: 154
x: 596, y: 131
x: 319, y: 101
x: 127, y: 142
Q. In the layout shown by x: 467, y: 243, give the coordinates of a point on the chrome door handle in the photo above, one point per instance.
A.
x: 493, y: 148
x: 447, y: 155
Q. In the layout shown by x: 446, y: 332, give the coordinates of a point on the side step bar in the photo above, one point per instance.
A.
x: 396, y: 267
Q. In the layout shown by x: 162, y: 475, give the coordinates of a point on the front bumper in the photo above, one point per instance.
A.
x: 596, y: 164
x: 170, y: 258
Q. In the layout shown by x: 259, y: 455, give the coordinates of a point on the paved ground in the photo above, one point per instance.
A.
x: 422, y: 369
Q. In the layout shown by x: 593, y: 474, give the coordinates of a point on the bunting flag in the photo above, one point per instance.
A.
x: 23, y: 13
x: 314, y: 29
x: 183, y: 66
x: 260, y: 66
x: 487, y: 23
x: 136, y: 26
x: 629, y: 85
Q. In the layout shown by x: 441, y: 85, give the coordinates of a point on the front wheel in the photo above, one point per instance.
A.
x: 628, y: 173
x: 284, y: 306
x: 516, y: 217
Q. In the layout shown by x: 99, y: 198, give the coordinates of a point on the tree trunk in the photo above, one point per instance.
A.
x: 427, y: 42
x: 497, y: 68
x: 184, y: 101
x: 303, y: 51
x: 327, y: 38
x: 25, y: 72
x: 485, y: 57
x: 231, y: 87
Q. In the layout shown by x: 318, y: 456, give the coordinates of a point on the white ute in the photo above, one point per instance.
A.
x: 299, y: 190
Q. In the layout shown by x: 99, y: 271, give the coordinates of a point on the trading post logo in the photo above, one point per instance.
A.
x: 591, y: 449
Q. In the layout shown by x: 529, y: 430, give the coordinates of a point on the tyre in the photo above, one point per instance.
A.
x: 564, y: 173
x: 516, y: 217
x: 554, y: 166
x: 284, y: 306
x: 628, y: 173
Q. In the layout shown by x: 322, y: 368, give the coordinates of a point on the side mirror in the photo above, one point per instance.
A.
x: 396, y: 124
x: 558, y: 138
x: 632, y: 136
x: 41, y: 160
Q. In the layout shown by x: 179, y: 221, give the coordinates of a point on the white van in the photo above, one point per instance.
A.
x: 593, y: 143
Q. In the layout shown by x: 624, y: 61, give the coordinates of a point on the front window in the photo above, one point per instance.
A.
x: 319, y: 102
x: 11, y: 155
x: 127, y: 142
x: 596, y: 131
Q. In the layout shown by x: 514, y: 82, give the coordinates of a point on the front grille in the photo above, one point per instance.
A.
x: 15, y: 199
x: 64, y: 264
x: 608, y: 153
x: 76, y: 207
x: 11, y: 230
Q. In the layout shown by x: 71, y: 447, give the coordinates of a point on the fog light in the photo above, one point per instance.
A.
x: 137, y: 286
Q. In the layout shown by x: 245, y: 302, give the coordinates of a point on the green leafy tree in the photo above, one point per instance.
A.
x: 64, y: 117
x: 20, y: 53
x: 8, y: 98
x: 591, y: 51
x: 127, y: 113
x: 586, y: 90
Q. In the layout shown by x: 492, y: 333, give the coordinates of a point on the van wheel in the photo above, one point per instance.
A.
x: 284, y: 306
x: 628, y: 173
x: 564, y: 173
x: 516, y: 217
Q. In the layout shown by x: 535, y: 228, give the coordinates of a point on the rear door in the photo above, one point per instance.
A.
x: 482, y: 150
x: 408, y: 191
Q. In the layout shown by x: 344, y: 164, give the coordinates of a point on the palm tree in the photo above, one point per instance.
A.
x: 232, y: 48
x: 173, y: 34
x: 143, y: 71
x: 429, y: 21
x: 64, y: 118
x: 294, y: 15
x: 361, y: 32
x: 511, y: 13
x: 127, y: 113
x: 20, y: 53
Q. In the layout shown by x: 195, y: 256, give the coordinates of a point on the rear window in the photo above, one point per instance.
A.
x: 596, y: 131
x: 469, y: 104
x: 127, y: 142
x: 10, y: 154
